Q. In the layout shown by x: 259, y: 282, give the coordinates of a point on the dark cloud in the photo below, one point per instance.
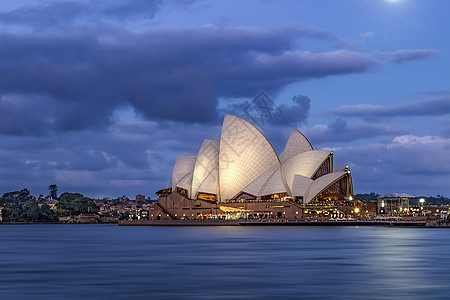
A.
x: 63, y: 14
x: 24, y: 115
x: 129, y: 157
x: 295, y: 114
x: 435, y: 107
x: 401, y: 56
x: 165, y: 74
x: 342, y: 132
x: 263, y: 111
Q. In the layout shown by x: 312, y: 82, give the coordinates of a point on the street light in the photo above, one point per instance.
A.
x: 422, y: 201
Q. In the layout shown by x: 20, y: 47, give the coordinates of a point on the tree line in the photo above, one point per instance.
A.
x: 21, y: 206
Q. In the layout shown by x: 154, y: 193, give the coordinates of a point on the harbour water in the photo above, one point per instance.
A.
x: 113, y: 262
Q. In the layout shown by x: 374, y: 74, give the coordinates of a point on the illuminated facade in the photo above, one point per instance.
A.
x: 394, y: 204
x: 243, y: 166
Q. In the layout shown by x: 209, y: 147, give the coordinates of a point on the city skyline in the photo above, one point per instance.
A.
x: 101, y: 98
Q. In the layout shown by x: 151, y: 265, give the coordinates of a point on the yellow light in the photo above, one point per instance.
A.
x: 356, y: 210
x: 350, y: 198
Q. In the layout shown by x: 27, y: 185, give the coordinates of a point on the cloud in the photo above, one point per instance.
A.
x: 296, y: 114
x: 85, y: 76
x: 63, y: 14
x: 402, y: 56
x: 411, y: 164
x: 367, y: 35
x: 435, y: 107
x: 262, y: 110
x: 129, y: 157
x: 340, y: 131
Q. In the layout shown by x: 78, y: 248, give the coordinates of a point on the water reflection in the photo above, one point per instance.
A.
x: 111, y: 262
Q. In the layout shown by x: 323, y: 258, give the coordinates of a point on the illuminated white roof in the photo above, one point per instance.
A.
x: 296, y: 144
x: 322, y: 183
x: 304, y: 164
x: 211, y: 183
x: 244, y: 155
x: 274, y: 185
x: 185, y: 182
x: 183, y: 171
x: 206, y: 171
x: 300, y: 185
x: 255, y: 187
x: 244, y: 161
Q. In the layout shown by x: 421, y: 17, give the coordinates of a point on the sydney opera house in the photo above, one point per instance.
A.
x: 241, y: 175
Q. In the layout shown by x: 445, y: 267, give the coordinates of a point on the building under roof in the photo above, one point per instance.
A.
x: 244, y: 166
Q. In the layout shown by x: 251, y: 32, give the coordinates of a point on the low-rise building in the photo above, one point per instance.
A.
x: 394, y: 204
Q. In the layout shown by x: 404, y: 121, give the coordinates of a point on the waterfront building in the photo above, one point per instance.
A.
x: 241, y: 173
x: 394, y: 204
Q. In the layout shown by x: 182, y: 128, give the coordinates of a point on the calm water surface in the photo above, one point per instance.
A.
x: 112, y: 262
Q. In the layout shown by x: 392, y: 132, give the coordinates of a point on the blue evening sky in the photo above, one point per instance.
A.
x: 100, y: 97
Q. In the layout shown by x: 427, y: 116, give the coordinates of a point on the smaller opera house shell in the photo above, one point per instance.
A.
x: 243, y: 166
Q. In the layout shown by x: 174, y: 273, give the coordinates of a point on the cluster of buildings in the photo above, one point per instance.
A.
x: 124, y: 208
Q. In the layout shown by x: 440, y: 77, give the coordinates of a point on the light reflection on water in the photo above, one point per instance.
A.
x: 111, y: 262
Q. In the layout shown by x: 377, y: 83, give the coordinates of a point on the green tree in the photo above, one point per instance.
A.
x: 17, y: 196
x: 53, y: 189
x: 28, y: 211
x: 74, y: 204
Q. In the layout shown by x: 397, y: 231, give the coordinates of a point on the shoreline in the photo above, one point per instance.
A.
x: 411, y: 224
x: 406, y: 224
x: 55, y: 223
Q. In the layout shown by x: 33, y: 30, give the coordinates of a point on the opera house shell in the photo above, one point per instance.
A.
x: 244, y: 166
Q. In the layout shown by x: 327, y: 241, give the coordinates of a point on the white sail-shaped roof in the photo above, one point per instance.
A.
x: 304, y: 164
x: 255, y: 187
x: 185, y: 182
x: 183, y: 171
x: 244, y: 161
x: 245, y: 154
x: 296, y: 144
x: 300, y: 185
x: 274, y: 185
x: 206, y: 166
x: 322, y: 183
x: 210, y: 184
